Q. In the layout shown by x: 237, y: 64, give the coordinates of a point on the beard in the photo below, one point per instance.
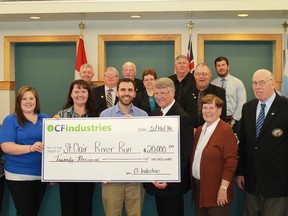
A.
x: 125, y: 100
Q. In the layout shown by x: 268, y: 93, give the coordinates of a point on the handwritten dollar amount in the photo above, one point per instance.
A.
x: 157, y: 149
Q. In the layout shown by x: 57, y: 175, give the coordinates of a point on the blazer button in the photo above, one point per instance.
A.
x: 256, y: 147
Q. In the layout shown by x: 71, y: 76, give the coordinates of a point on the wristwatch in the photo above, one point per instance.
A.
x: 232, y: 122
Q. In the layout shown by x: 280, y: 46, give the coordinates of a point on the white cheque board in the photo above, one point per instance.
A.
x: 137, y: 149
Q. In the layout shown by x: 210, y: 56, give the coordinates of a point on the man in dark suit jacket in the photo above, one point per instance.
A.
x: 169, y: 196
x: 263, y: 166
x: 129, y: 71
x: 203, y: 87
x: 111, y: 78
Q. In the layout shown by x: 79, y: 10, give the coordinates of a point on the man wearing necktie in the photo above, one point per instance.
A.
x: 105, y: 95
x: 169, y: 197
x: 262, y: 171
x: 234, y: 89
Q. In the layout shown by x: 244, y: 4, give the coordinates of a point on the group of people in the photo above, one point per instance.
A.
x: 215, y: 121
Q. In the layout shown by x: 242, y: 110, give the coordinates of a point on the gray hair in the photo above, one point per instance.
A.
x: 165, y: 83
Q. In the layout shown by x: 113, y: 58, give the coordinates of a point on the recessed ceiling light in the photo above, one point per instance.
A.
x: 243, y: 15
x: 35, y: 17
x: 136, y: 16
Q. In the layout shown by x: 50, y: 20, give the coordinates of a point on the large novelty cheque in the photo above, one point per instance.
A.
x: 136, y: 149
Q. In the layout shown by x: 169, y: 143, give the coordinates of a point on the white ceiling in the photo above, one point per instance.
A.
x: 51, y: 10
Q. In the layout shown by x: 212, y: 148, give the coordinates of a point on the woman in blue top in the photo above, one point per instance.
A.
x: 2, y: 177
x: 20, y: 139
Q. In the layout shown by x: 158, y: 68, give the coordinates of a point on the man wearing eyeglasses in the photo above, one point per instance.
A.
x: 105, y: 95
x: 235, y: 92
x: 262, y: 170
x: 203, y: 87
x: 169, y: 196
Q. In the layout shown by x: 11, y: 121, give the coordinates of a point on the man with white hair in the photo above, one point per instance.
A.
x: 129, y: 71
x: 263, y: 149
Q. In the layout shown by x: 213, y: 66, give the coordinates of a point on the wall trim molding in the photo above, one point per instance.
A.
x: 7, y: 85
x: 276, y: 39
x: 102, y: 39
x: 9, y: 47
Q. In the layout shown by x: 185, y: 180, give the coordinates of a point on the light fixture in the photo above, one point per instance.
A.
x: 136, y: 16
x: 243, y: 15
x: 34, y: 17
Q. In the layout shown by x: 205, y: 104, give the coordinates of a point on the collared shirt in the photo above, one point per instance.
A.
x: 166, y: 109
x: 1, y: 163
x: 70, y: 113
x: 24, y: 166
x: 268, y: 104
x: 235, y: 95
x: 202, y: 142
x: 115, y: 111
x: 112, y: 92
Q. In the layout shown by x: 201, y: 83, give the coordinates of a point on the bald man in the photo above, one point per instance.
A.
x: 263, y: 149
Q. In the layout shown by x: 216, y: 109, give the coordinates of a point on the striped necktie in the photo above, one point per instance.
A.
x: 260, y: 119
x: 109, y: 100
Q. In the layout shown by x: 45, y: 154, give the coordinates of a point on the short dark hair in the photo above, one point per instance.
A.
x: 221, y: 58
x: 126, y: 80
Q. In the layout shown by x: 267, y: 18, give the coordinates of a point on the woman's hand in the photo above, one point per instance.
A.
x: 36, y: 147
x: 160, y: 185
x: 222, y: 197
x: 56, y: 116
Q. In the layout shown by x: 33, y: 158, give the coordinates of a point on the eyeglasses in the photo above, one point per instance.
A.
x: 110, y: 75
x: 201, y: 73
x: 260, y: 83
x: 161, y: 94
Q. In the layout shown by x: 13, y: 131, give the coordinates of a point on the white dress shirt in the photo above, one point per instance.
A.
x: 235, y: 95
x: 202, y: 142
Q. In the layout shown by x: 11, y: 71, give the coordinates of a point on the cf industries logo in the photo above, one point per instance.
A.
x: 57, y: 128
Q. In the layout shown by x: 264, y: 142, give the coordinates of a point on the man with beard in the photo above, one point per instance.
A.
x: 114, y: 195
x: 235, y: 92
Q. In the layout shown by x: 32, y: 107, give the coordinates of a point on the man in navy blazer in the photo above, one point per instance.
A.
x: 111, y: 78
x: 169, y: 196
x: 203, y: 87
x: 263, y: 166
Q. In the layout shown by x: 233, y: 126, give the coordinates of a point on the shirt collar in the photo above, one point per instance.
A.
x: 211, y: 127
x: 131, y: 111
x: 106, y: 88
x: 268, y: 102
x: 166, y: 109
